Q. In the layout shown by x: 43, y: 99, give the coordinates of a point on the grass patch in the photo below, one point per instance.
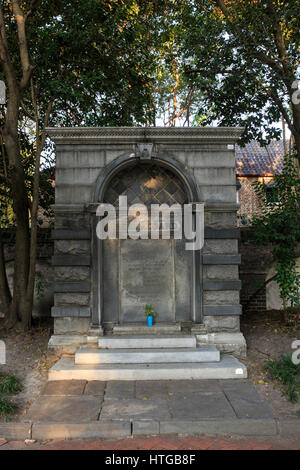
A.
x: 285, y: 371
x: 7, y: 408
x: 9, y: 385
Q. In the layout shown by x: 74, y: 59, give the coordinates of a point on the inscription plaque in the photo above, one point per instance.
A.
x: 147, y: 277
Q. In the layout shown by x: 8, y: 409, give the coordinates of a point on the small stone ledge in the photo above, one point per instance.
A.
x: 99, y: 429
x: 246, y: 427
x: 221, y: 259
x: 71, y: 287
x: 70, y: 312
x: 61, y: 234
x: 15, y: 431
x: 222, y: 310
x: 67, y: 344
x: 71, y: 260
x: 230, y: 343
x: 222, y: 285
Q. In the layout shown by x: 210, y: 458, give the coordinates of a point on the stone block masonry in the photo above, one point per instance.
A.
x: 100, y: 285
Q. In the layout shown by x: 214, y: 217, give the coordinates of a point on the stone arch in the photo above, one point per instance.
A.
x: 182, y: 312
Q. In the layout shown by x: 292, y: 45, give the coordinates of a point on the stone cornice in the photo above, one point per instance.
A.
x: 131, y: 135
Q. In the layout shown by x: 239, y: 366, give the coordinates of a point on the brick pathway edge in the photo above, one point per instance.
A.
x: 117, y: 429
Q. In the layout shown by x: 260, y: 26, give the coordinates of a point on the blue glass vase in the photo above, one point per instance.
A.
x: 149, y: 320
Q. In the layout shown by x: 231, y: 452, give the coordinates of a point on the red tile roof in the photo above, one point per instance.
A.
x: 254, y: 160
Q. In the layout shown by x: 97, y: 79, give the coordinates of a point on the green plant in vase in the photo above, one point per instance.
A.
x: 150, y: 314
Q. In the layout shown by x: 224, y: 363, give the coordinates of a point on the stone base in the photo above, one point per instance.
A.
x: 66, y: 344
x: 94, y: 334
x: 233, y: 343
x: 228, y: 368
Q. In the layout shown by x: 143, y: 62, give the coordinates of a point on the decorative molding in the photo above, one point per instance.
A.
x: 144, y: 151
x: 64, y: 135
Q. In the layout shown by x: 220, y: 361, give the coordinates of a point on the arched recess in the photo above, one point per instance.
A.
x: 100, y: 287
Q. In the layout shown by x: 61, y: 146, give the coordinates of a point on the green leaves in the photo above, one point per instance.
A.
x: 279, y: 225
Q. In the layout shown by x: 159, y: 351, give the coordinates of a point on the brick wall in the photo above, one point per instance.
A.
x: 255, y: 263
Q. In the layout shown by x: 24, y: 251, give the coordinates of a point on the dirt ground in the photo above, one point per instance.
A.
x: 268, y: 337
x: 265, y: 334
x: 26, y: 357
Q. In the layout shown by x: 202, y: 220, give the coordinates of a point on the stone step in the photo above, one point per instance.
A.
x: 146, y: 356
x: 228, y: 368
x: 147, y: 341
x: 143, y: 329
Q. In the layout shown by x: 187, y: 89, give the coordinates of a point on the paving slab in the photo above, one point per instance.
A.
x: 66, y: 409
x: 95, y: 387
x: 193, y: 386
x: 245, y: 400
x: 201, y: 406
x: 120, y: 389
x: 151, y: 389
x: 64, y: 387
x: 135, y: 409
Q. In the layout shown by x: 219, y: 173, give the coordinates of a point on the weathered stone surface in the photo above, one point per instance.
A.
x: 211, y: 159
x: 147, y: 277
x: 145, y: 427
x: 221, y: 220
x: 222, y: 323
x: 221, y: 272
x: 65, y: 343
x: 72, y: 247
x: 65, y: 409
x: 95, y: 387
x: 65, y: 298
x: 222, y: 310
x: 217, y: 193
x: 221, y: 297
x: 71, y: 260
x: 70, y: 273
x: 79, y: 286
x: 71, y: 326
x: 135, y: 409
x: 245, y: 400
x: 15, y: 431
x: 80, y: 159
x: 183, y: 387
x: 221, y: 427
x: 289, y: 427
x: 69, y: 221
x: 227, y: 368
x: 151, y: 389
x: 220, y: 246
x: 233, y: 343
x: 64, y: 387
x: 120, y: 389
x: 113, y: 429
x: 221, y: 259
x: 193, y: 406
x: 216, y: 175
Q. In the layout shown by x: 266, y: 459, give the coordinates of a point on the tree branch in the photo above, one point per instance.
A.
x: 24, y: 55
